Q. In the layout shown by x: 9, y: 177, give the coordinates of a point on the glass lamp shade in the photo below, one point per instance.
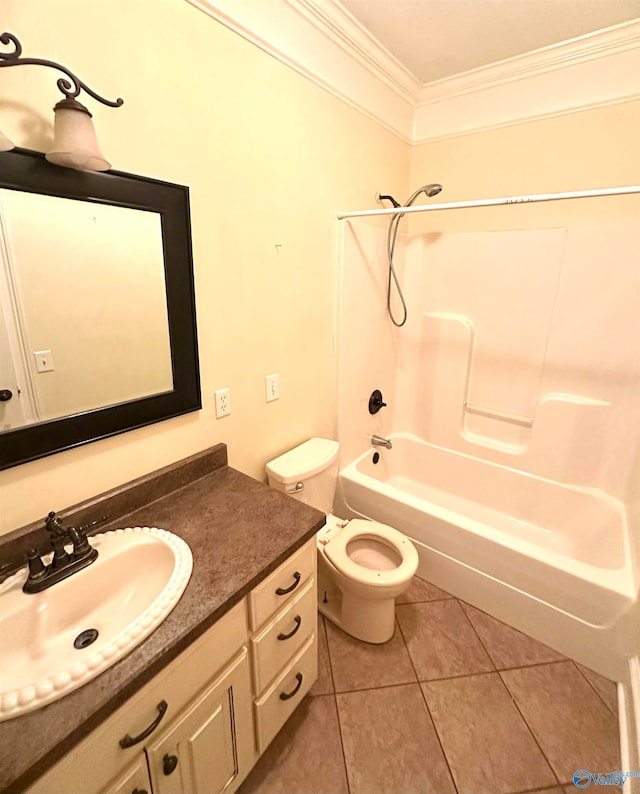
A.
x: 75, y: 143
x: 6, y: 145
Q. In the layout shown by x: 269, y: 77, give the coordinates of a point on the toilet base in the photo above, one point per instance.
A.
x: 369, y: 621
x: 364, y: 619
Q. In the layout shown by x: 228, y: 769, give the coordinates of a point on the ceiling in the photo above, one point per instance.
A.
x: 435, y: 39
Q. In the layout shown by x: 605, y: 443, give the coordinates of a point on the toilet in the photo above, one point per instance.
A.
x: 363, y: 566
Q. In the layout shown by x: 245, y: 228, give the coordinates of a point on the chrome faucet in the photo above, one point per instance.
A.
x: 378, y: 441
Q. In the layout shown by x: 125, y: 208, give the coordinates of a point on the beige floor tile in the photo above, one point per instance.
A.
x: 488, y: 746
x: 607, y: 689
x: 390, y: 744
x: 441, y: 641
x: 421, y: 590
x: 324, y: 684
x: 571, y: 723
x: 507, y: 646
x: 305, y: 757
x: 361, y: 665
x: 554, y: 790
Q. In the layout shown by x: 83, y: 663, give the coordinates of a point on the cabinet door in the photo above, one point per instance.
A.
x: 134, y: 780
x: 208, y: 748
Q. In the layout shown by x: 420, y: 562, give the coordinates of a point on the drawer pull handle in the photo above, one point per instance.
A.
x: 285, y: 590
x: 129, y: 741
x: 139, y: 791
x: 169, y: 763
x: 287, y: 695
x: 298, y: 621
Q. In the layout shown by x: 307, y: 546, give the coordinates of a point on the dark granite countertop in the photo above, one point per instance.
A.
x: 239, y: 530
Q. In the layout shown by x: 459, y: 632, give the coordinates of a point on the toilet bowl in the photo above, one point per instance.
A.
x: 363, y: 566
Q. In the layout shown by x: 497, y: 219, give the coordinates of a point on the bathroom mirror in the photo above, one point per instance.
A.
x: 97, y: 309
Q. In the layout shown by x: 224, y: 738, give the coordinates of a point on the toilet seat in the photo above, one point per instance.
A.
x: 336, y: 552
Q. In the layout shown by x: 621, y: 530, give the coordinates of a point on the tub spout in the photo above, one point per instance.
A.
x: 378, y: 441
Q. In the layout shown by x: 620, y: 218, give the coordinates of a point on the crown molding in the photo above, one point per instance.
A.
x: 594, y: 70
x: 349, y: 34
x: 322, y: 41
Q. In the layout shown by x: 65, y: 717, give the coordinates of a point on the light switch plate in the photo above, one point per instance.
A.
x: 272, y: 386
x: 44, y: 361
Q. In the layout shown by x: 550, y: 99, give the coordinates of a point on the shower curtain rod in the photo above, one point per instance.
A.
x: 607, y: 191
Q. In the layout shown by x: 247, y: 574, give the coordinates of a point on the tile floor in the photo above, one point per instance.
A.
x: 456, y: 702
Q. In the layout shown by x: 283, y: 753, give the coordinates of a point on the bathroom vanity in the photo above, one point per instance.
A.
x: 192, y: 708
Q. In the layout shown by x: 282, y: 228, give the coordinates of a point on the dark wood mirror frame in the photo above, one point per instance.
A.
x: 22, y: 169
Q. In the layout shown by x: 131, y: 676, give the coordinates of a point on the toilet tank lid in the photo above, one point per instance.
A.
x: 303, y: 461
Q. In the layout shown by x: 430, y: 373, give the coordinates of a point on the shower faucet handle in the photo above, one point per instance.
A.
x: 376, y: 401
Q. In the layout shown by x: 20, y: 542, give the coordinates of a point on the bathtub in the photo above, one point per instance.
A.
x: 544, y: 556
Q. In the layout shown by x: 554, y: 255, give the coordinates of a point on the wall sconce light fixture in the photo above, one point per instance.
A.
x: 75, y: 143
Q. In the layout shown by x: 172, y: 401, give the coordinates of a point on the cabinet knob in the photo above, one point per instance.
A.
x: 169, y: 763
x: 139, y: 791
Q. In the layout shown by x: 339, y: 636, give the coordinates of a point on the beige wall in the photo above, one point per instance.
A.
x: 269, y: 158
x: 579, y: 151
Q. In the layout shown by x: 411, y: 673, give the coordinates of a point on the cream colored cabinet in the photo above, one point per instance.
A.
x: 199, y: 726
x: 202, y: 698
x: 284, y: 645
x: 199, y: 753
x: 134, y: 780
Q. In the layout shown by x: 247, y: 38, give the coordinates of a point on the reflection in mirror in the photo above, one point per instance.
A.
x: 97, y: 306
x: 85, y: 306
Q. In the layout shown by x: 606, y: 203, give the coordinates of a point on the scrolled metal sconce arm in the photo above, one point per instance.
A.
x: 69, y: 89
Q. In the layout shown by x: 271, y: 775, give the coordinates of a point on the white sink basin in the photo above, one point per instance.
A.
x: 124, y: 595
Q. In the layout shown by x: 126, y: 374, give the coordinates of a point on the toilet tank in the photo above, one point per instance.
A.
x: 308, y: 472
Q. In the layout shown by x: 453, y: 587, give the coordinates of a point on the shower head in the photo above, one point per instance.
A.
x: 429, y: 190
x: 432, y: 190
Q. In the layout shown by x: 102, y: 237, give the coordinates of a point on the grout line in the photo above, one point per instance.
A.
x: 378, y: 686
x: 496, y: 670
x: 534, y: 664
x: 586, y: 678
x: 415, y: 672
x: 425, y: 601
x: 530, y: 729
x: 473, y: 628
x: 513, y: 667
x: 335, y: 703
x: 491, y: 672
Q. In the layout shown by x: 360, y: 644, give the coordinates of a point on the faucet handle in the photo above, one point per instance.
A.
x: 36, y: 567
x: 54, y: 526
x: 376, y: 401
x: 81, y: 546
x: 97, y: 522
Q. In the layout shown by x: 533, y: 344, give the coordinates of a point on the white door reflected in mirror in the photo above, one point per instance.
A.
x: 87, y: 281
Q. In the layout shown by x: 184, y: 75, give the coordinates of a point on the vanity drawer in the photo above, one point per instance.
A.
x: 277, y: 704
x: 281, y: 637
x: 285, y: 582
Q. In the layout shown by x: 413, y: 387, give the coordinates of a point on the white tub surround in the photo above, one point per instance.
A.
x: 505, y: 539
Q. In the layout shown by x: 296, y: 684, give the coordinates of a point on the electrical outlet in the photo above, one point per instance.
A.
x: 272, y: 385
x: 223, y: 403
